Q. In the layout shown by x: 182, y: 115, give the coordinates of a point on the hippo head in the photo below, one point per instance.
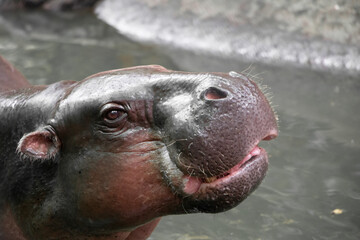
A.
x: 135, y: 144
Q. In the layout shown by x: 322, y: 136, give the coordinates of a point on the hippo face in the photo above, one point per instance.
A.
x: 139, y: 143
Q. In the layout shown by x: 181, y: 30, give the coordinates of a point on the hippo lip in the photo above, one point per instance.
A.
x: 193, y: 184
x: 222, y: 177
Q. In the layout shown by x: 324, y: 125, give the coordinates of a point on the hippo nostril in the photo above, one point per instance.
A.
x: 214, y: 93
x: 271, y: 135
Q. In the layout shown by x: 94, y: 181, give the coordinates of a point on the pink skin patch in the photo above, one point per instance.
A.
x: 192, y: 184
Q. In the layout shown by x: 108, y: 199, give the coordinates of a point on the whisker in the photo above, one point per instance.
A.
x: 174, y: 141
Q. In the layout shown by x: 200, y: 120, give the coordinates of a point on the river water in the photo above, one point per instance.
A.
x: 312, y: 189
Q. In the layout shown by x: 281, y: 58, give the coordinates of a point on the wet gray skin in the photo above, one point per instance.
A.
x: 121, y: 148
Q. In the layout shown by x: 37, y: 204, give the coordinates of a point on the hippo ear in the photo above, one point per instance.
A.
x: 41, y: 144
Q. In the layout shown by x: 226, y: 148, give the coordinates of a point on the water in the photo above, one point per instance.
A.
x: 307, y: 33
x: 315, y: 162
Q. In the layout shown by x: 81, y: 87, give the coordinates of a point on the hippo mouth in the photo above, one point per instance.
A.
x: 196, y: 184
x: 228, y: 189
x: 223, y: 177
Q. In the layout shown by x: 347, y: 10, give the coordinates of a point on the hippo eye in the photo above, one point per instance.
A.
x: 114, y: 114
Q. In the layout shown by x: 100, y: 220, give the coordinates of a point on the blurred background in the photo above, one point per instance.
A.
x: 306, y: 52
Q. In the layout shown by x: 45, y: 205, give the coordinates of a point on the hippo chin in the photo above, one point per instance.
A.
x: 106, y: 157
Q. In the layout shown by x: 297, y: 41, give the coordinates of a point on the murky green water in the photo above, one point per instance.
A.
x: 315, y: 162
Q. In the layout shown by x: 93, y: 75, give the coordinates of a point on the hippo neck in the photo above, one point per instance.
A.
x: 22, y: 111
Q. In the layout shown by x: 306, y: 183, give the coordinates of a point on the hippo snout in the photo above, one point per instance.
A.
x: 213, y: 125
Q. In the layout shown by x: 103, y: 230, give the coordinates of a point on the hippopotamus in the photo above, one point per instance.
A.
x: 106, y: 157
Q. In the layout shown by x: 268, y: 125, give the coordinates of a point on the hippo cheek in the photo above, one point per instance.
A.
x: 125, y: 190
